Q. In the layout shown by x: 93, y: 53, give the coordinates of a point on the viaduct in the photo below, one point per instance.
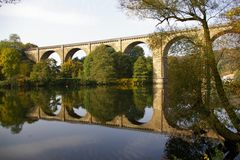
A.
x: 125, y: 45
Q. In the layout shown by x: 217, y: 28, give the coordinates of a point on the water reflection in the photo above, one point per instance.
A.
x: 129, y: 108
x: 104, y: 104
x: 148, y: 113
x: 189, y: 109
x: 81, y: 112
x: 14, y: 106
x: 140, y: 109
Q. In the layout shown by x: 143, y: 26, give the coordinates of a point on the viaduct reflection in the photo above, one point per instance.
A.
x: 113, y: 107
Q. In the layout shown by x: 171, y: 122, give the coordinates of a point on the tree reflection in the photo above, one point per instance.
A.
x: 104, y: 103
x: 14, y: 106
x: 188, y: 108
x: 184, y: 90
x: 73, y: 99
x: 142, y: 98
x: 188, y: 149
x: 47, y: 100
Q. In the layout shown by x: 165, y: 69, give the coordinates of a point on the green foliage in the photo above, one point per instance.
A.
x: 234, y: 16
x: 16, y: 45
x: 10, y: 59
x: 140, y: 69
x: 44, y: 72
x: 122, y: 65
x: 87, y: 64
x: 103, y: 107
x: 13, y: 109
x: 141, y: 100
x: 46, y: 100
x: 29, y: 46
x: 184, y: 90
x: 149, y: 63
x: 186, y: 149
x: 71, y: 68
x: 25, y: 68
x: 135, y: 53
x: 14, y: 64
x: 99, y: 65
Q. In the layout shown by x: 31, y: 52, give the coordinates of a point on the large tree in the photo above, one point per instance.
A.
x: 14, y: 38
x: 201, y: 11
x: 44, y: 72
x: 99, y: 65
x: 10, y: 60
x: 122, y: 65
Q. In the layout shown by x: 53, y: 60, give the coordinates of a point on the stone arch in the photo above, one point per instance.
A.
x: 128, y: 49
x: 71, y: 53
x: 174, y: 40
x: 52, y: 114
x: 226, y: 45
x: 73, y: 114
x: 94, y: 46
x: 219, y: 34
x: 46, y: 54
x: 136, y: 122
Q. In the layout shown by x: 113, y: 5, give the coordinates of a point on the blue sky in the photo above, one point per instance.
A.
x: 50, y: 22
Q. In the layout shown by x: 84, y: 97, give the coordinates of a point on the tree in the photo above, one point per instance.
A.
x: 10, y: 59
x: 140, y: 68
x: 149, y: 63
x: 87, y: 64
x: 29, y: 46
x: 234, y: 16
x: 200, y: 11
x: 122, y: 65
x: 71, y: 68
x: 133, y: 55
x: 14, y: 38
x: 25, y: 68
x: 99, y: 65
x: 44, y: 72
x: 136, y: 52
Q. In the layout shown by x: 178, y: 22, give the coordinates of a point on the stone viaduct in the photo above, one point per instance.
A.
x: 125, y: 44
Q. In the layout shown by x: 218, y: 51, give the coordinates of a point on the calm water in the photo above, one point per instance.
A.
x: 106, y: 123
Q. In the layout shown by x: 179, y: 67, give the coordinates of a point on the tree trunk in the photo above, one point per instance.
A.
x: 218, y: 82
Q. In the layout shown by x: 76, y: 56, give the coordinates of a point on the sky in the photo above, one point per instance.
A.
x: 51, y: 22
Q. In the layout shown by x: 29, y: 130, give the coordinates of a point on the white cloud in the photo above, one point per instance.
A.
x: 52, y: 17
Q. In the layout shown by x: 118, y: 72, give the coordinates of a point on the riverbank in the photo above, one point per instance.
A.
x: 71, y: 83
